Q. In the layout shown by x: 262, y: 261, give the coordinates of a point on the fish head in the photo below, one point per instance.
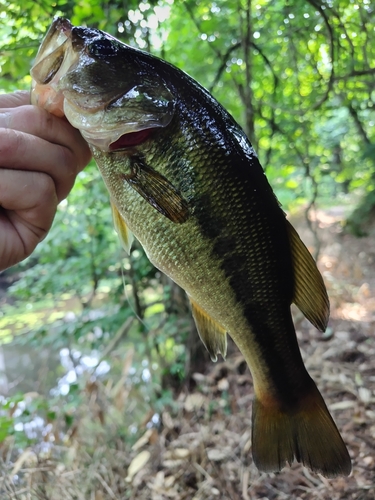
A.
x: 104, y: 87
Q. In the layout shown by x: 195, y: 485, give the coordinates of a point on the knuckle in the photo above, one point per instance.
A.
x: 46, y: 188
x: 76, y: 149
x: 32, y: 119
x: 68, y: 170
x: 40, y: 119
x: 69, y: 162
x: 12, y: 144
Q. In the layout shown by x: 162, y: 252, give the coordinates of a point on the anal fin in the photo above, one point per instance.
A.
x: 310, y: 294
x: 212, y: 334
x: 125, y: 235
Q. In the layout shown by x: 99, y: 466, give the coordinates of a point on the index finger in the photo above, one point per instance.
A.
x: 19, y: 98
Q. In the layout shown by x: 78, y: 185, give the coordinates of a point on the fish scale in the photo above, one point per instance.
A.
x: 185, y: 180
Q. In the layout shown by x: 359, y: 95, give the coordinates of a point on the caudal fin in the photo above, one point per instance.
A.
x: 307, y: 434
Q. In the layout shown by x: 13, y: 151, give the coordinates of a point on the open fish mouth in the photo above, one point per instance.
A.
x: 84, y: 74
x: 54, y: 59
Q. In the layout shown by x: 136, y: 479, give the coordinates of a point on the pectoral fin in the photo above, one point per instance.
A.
x: 212, y: 334
x: 158, y: 191
x: 125, y: 235
x: 310, y: 294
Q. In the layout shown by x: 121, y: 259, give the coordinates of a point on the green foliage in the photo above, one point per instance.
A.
x: 305, y: 64
x: 80, y: 248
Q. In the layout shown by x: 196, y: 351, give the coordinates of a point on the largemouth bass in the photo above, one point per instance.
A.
x: 185, y: 180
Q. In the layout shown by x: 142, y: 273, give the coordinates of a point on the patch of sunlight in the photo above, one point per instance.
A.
x: 154, y: 309
x: 5, y: 335
x: 352, y: 311
x: 53, y: 316
x: 17, y: 322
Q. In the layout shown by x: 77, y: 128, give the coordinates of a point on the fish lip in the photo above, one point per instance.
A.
x: 59, y: 25
x: 49, y: 61
x: 52, y: 42
x: 62, y: 24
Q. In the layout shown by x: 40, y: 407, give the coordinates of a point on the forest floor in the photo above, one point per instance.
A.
x: 202, y: 449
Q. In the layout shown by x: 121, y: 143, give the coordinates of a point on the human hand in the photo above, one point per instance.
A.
x: 40, y: 157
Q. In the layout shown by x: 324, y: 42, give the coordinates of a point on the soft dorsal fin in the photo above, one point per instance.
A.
x: 310, y: 294
x: 212, y: 334
x: 125, y: 235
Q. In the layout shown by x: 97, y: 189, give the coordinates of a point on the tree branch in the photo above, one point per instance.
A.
x: 268, y: 63
x: 363, y: 72
x: 223, y: 64
x: 305, y: 163
x: 361, y: 131
x: 317, y: 5
x: 246, y: 42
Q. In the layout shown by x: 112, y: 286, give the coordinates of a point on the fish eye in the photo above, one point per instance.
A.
x: 102, y: 48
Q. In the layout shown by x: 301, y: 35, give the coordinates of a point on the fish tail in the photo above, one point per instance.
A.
x: 307, y: 433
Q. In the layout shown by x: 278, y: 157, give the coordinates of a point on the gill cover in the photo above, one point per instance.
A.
x: 134, y: 110
x: 109, y: 94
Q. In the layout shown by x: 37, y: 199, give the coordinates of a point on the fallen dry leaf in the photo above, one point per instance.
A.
x: 137, y: 464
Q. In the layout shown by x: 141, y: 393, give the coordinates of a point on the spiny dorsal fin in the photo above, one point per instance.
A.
x: 310, y: 294
x: 212, y: 334
x: 125, y: 235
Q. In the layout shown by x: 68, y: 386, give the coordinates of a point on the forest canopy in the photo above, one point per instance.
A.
x: 298, y: 76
